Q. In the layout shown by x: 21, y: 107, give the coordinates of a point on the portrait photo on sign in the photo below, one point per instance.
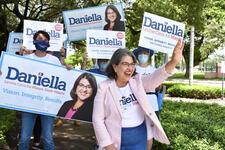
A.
x: 113, y: 19
x: 81, y: 105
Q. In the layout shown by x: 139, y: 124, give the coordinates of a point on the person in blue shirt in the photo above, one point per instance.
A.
x: 101, y: 66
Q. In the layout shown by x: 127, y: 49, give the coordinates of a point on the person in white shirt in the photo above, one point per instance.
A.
x: 41, y: 42
x: 144, y: 67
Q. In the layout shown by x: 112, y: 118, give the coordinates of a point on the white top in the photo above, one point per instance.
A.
x: 132, y: 114
x: 152, y: 97
x: 48, y: 58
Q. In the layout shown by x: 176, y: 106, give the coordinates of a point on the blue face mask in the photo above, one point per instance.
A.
x: 41, y: 45
x: 103, y: 66
x: 142, y: 58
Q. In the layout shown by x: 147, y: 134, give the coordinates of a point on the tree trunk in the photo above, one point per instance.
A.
x: 186, y: 54
x: 187, y: 69
x: 3, y: 29
x: 191, y: 55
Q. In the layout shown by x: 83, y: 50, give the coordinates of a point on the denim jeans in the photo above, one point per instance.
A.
x: 134, y: 138
x: 28, y: 121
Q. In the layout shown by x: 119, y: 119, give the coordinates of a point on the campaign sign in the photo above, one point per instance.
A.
x: 102, y: 44
x: 55, y: 30
x: 42, y: 88
x: 222, y: 66
x: 78, y: 21
x: 160, y: 34
x: 15, y: 42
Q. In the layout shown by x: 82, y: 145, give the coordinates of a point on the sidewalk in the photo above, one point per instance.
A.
x: 200, y: 82
x: 70, y: 137
x: 209, y: 101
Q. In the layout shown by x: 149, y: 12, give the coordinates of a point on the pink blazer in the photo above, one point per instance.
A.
x: 107, y: 120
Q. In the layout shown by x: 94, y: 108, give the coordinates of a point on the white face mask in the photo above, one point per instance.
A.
x: 142, y: 58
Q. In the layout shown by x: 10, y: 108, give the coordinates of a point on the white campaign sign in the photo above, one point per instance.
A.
x: 78, y: 21
x: 55, y: 30
x: 102, y: 44
x: 222, y: 66
x: 36, y: 87
x: 159, y: 33
x: 15, y: 42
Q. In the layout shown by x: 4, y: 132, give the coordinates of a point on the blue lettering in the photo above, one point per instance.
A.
x: 128, y: 100
x: 71, y: 21
x: 164, y: 27
x: 106, y: 41
x: 17, y: 41
x: 53, y: 82
x: 29, y: 31
x: 45, y: 82
x: 14, y: 76
x: 91, y: 40
x: 22, y: 77
x: 85, y: 19
x: 51, y: 33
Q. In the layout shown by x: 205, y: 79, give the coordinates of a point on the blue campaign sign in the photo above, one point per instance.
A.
x: 79, y: 20
x: 15, y: 42
x: 38, y: 87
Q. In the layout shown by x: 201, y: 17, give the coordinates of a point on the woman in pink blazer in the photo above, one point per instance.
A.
x: 122, y: 117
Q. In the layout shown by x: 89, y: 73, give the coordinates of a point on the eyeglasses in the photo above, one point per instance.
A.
x: 109, y: 13
x: 126, y: 64
x: 88, y: 87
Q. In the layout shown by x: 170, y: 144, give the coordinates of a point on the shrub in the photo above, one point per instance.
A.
x: 7, y: 120
x: 181, y: 75
x: 170, y: 84
x: 194, y: 91
x: 192, y: 126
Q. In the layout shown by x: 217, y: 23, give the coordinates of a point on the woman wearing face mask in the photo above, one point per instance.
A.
x: 82, y: 93
x: 143, y: 56
x: 144, y: 67
x: 112, y: 17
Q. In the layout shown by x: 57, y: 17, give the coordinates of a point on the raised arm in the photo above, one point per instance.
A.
x: 150, y: 82
x: 176, y: 57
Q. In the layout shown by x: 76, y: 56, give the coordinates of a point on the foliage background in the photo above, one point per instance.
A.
x: 193, y: 126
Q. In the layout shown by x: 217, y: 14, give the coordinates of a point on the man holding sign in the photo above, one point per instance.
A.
x: 41, y: 42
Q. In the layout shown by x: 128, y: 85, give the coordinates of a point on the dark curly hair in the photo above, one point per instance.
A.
x: 116, y: 59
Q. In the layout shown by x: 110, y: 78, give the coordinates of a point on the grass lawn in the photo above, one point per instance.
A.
x: 193, y: 126
x: 197, y: 75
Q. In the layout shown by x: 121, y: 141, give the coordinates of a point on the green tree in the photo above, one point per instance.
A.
x: 43, y: 10
x: 207, y: 16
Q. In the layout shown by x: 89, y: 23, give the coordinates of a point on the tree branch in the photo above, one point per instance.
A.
x: 16, y: 10
x: 134, y: 32
x: 26, y: 8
